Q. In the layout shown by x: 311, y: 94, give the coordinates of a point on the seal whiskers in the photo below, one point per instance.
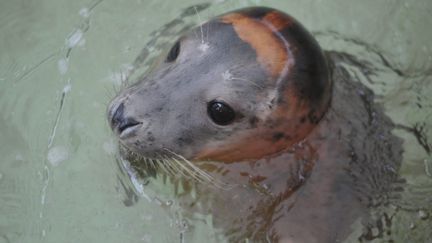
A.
x: 227, y: 75
x: 195, y: 172
x: 178, y: 167
x: 167, y: 167
x: 204, y: 45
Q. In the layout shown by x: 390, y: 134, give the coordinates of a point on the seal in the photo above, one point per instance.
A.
x: 249, y: 98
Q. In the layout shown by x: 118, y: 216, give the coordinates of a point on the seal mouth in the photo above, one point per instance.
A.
x: 127, y: 127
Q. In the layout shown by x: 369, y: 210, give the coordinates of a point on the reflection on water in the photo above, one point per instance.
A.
x: 59, y: 180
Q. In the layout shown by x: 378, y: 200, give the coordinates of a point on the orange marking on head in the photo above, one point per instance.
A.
x: 255, y: 145
x: 292, y: 105
x: 277, y: 20
x: 242, y: 150
x: 270, y: 50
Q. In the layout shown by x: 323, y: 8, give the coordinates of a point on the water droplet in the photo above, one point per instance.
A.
x: 67, y: 88
x: 422, y: 214
x: 57, y: 154
x: 183, y: 226
x: 428, y: 167
x: 63, y: 66
x: 75, y: 38
x: 412, y: 226
x: 81, y: 43
x: 84, y: 12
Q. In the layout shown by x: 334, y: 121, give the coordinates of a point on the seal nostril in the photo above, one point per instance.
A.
x: 119, y: 122
x: 118, y: 116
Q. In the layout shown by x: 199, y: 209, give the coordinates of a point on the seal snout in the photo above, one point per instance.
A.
x: 121, y: 124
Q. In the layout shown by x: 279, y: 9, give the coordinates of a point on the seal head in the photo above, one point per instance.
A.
x: 242, y: 86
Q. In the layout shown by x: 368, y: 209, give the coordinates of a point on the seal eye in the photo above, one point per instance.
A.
x: 173, y: 53
x: 221, y: 113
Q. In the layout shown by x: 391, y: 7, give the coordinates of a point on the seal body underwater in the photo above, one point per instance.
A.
x: 249, y: 101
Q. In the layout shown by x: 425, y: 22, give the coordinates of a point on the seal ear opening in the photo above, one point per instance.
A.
x: 173, y: 53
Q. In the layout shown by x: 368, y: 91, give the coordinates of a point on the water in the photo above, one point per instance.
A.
x: 62, y: 61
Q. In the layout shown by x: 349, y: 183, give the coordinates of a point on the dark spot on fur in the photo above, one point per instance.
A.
x: 154, y: 85
x: 278, y: 136
x: 142, y: 91
x: 184, y: 140
x: 272, y: 124
x: 302, y: 120
x: 150, y: 138
x: 313, y: 118
x: 244, y: 174
x: 253, y: 121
